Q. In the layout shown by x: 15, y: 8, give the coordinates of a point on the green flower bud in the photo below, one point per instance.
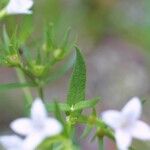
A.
x: 101, y: 133
x: 92, y: 120
x: 38, y: 70
x: 58, y: 54
x: 12, y: 60
x: 71, y: 120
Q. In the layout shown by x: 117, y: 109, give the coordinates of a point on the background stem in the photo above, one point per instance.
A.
x: 27, y: 93
x: 41, y: 92
x: 100, y: 143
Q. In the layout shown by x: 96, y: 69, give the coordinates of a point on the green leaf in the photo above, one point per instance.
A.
x: 49, y: 37
x: 86, y: 104
x: 77, y: 85
x: 62, y: 107
x: 11, y: 86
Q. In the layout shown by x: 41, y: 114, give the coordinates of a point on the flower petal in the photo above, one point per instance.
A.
x: 19, y: 6
x: 22, y: 126
x: 52, y: 127
x: 132, y: 110
x: 141, y: 131
x: 112, y: 118
x: 38, y: 111
x: 123, y: 139
x: 33, y: 141
x: 11, y: 142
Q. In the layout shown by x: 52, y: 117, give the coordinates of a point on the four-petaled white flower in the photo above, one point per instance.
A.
x: 19, y: 7
x: 126, y: 124
x: 35, y: 129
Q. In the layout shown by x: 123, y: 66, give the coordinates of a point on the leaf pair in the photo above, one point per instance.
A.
x: 77, y: 107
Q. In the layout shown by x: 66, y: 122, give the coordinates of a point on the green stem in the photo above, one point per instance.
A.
x: 100, y: 143
x: 41, y: 92
x: 27, y: 93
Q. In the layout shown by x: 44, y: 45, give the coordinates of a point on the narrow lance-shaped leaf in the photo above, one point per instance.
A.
x: 77, y: 85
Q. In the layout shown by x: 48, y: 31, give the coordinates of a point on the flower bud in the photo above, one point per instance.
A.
x: 37, y: 70
x: 58, y: 54
x: 12, y: 60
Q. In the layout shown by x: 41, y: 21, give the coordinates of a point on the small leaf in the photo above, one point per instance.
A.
x: 62, y: 107
x: 86, y: 104
x: 11, y: 86
x: 49, y: 36
x: 77, y: 85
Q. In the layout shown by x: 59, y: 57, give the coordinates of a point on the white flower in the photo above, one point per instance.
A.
x: 19, y: 7
x: 12, y: 142
x: 36, y: 128
x: 126, y: 124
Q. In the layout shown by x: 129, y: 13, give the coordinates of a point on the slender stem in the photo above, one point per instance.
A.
x: 41, y: 92
x: 100, y: 143
x: 27, y: 93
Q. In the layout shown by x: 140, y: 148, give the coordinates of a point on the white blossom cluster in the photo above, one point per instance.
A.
x: 126, y: 124
x: 18, y: 7
x: 35, y: 129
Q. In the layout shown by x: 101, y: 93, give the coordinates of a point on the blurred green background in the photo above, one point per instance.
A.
x: 115, y: 38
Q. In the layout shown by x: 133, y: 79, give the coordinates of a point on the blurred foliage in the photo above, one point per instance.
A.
x: 93, y: 19
x: 90, y: 19
x: 3, y: 3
